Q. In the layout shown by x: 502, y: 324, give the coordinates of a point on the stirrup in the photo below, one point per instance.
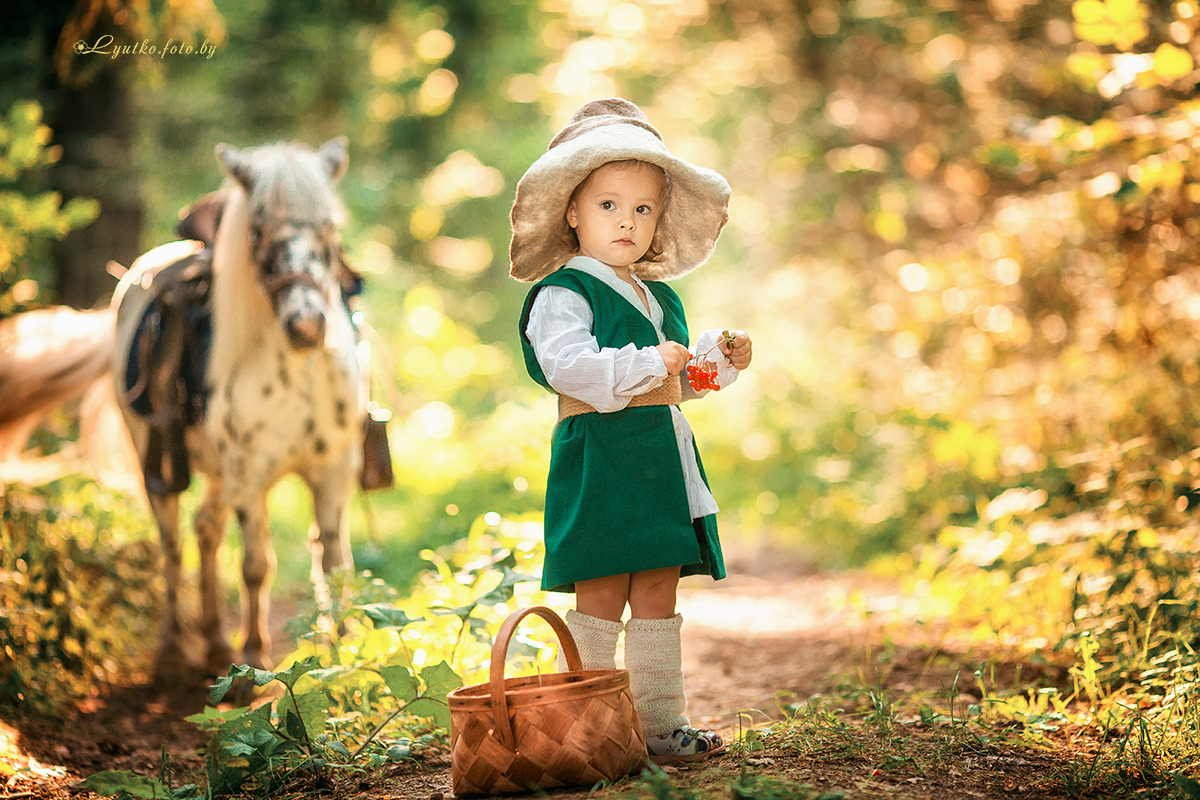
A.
x: 684, y: 744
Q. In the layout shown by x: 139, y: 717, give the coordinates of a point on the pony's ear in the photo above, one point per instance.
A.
x: 335, y: 155
x: 236, y: 164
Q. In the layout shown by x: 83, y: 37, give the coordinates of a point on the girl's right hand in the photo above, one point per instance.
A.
x: 675, y: 356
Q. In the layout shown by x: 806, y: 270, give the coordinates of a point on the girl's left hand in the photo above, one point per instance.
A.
x: 741, y: 351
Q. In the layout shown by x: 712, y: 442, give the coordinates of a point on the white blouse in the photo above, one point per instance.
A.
x: 560, y: 330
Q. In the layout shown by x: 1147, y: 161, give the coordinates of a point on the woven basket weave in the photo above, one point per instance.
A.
x: 543, y: 731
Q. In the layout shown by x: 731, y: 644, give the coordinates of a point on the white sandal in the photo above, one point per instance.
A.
x: 684, y: 744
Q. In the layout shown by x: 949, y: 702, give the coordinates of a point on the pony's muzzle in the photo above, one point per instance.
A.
x: 305, y: 331
x: 301, y: 308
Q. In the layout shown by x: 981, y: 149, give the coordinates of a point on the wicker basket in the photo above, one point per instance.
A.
x: 542, y: 731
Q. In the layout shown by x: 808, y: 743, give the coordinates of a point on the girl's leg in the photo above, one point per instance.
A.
x: 654, y: 658
x: 603, y: 598
x: 595, y: 622
x: 652, y: 593
x: 653, y: 653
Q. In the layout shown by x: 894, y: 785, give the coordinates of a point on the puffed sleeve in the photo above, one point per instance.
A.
x: 606, y: 378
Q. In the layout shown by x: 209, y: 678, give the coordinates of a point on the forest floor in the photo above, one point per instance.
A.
x: 752, y: 645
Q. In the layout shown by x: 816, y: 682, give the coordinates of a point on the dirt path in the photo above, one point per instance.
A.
x: 749, y: 643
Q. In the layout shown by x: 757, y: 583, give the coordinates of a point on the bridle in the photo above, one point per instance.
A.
x: 276, y: 282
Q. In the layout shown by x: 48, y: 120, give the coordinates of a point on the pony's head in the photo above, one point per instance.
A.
x: 295, y: 217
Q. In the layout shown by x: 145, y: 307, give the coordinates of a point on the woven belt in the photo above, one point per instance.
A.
x: 670, y: 393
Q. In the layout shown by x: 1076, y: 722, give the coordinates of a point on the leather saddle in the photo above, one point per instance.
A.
x: 168, y: 358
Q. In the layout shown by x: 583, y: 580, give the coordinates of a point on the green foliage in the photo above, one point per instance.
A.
x: 448, y: 615
x: 269, y: 744
x: 754, y: 786
x: 76, y: 593
x: 657, y: 784
x: 29, y: 218
x: 253, y: 750
x: 1103, y: 592
x: 368, y: 682
x: 124, y: 785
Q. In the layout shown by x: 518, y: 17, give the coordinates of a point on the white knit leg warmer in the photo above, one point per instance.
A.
x: 596, y: 639
x: 654, y: 658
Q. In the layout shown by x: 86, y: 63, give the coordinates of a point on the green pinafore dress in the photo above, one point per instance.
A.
x: 616, y: 501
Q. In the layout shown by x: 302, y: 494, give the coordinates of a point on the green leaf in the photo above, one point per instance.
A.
x: 400, y: 682
x: 124, y: 784
x: 387, y: 617
x: 211, y: 718
x: 293, y: 725
x: 503, y: 592
x: 218, y: 690
x: 440, y: 680
x: 312, y: 707
x: 236, y: 749
x: 433, y: 708
x: 1189, y: 786
x: 260, y: 719
x: 255, y: 740
x: 260, y: 677
x: 457, y: 611
x: 293, y: 673
x: 326, y: 673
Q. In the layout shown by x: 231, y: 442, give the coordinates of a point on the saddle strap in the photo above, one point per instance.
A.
x: 670, y: 393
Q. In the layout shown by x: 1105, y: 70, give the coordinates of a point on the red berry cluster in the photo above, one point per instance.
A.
x: 702, y: 379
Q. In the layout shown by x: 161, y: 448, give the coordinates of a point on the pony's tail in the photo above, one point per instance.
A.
x: 48, y: 358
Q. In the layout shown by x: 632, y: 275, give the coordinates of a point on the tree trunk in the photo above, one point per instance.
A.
x: 94, y: 125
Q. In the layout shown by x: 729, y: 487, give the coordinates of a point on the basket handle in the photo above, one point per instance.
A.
x: 503, y: 726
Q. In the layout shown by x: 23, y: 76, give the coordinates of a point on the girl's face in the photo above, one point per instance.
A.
x: 615, y: 211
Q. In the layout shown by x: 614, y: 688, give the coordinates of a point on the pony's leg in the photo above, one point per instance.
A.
x: 258, y: 566
x: 211, y: 521
x: 330, y: 535
x: 172, y: 663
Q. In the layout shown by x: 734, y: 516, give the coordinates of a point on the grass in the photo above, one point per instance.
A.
x: 864, y: 741
x: 916, y: 715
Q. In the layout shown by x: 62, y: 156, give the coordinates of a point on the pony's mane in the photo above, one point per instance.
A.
x: 290, y: 182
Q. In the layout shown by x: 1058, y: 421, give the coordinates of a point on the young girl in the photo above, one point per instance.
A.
x: 599, y: 221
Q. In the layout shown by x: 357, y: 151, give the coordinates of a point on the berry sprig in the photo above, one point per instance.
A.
x: 701, y: 378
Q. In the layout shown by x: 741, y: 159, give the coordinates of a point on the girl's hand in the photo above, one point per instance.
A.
x: 674, y: 355
x: 741, y: 352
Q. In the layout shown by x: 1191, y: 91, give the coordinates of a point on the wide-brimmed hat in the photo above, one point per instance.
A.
x: 599, y: 132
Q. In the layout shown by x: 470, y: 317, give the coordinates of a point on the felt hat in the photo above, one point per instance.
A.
x: 601, y: 131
